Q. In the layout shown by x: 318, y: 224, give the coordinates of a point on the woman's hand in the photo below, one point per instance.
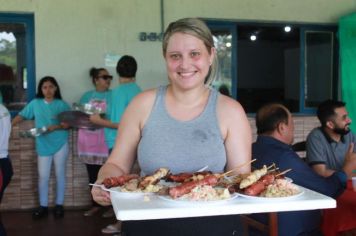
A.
x: 52, y: 128
x: 96, y: 119
x: 100, y: 196
x: 62, y: 125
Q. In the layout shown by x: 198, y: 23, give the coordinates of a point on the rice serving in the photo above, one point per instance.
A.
x: 207, y: 193
x: 280, y: 188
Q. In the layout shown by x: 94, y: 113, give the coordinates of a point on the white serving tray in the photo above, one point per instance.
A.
x: 153, y: 207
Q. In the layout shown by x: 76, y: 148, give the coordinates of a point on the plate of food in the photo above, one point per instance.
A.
x: 280, y: 189
x: 132, y: 185
x: 103, y: 187
x: 265, y: 184
x: 204, y: 194
x: 123, y: 192
x: 288, y: 179
x: 198, y: 188
x: 130, y: 194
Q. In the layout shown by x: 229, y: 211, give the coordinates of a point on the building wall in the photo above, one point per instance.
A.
x: 72, y: 36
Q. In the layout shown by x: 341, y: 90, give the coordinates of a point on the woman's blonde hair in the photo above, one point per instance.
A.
x: 198, y: 29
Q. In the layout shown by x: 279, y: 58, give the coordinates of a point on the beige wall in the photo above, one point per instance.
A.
x: 71, y: 36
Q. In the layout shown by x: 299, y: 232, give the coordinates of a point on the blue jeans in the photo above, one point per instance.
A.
x: 44, y: 171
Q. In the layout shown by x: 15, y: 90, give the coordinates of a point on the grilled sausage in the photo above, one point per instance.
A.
x: 258, y: 187
x: 179, y: 178
x: 267, y: 179
x: 118, y: 181
x: 186, y: 187
x: 183, y: 177
x: 255, y: 189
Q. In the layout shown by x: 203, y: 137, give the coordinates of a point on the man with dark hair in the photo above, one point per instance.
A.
x: 275, y: 129
x: 328, y: 146
x: 126, y: 67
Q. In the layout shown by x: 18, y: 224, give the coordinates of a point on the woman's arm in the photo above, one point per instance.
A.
x: 236, y: 131
x: 62, y: 125
x: 17, y: 119
x: 96, y: 119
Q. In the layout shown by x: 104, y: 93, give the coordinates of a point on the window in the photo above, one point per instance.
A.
x: 224, y: 39
x: 319, y: 60
x: 288, y: 63
x: 17, y: 60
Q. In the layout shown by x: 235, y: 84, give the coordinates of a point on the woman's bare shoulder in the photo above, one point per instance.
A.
x: 145, y: 98
x: 231, y: 116
x: 229, y: 106
x: 140, y: 107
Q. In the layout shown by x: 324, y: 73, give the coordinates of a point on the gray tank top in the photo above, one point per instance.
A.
x: 181, y: 146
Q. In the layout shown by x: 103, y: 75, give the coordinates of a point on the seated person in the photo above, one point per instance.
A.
x: 275, y: 131
x: 328, y: 146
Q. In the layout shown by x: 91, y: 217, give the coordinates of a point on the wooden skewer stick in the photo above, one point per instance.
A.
x: 283, y: 172
x: 273, y: 165
x: 273, y: 169
x: 238, y: 167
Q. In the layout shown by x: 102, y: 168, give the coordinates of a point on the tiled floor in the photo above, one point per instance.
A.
x: 20, y: 223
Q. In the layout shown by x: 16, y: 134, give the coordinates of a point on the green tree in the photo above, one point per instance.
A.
x: 8, y: 53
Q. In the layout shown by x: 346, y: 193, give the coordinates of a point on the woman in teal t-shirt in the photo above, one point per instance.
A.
x: 91, y: 146
x: 50, y: 146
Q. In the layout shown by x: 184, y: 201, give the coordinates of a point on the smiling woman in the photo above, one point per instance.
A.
x: 186, y: 57
x: 182, y: 126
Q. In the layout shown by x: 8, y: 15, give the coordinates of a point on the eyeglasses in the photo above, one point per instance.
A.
x: 105, y: 77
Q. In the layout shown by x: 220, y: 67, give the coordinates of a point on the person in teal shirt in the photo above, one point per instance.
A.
x: 50, y: 146
x: 91, y: 146
x: 120, y: 98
